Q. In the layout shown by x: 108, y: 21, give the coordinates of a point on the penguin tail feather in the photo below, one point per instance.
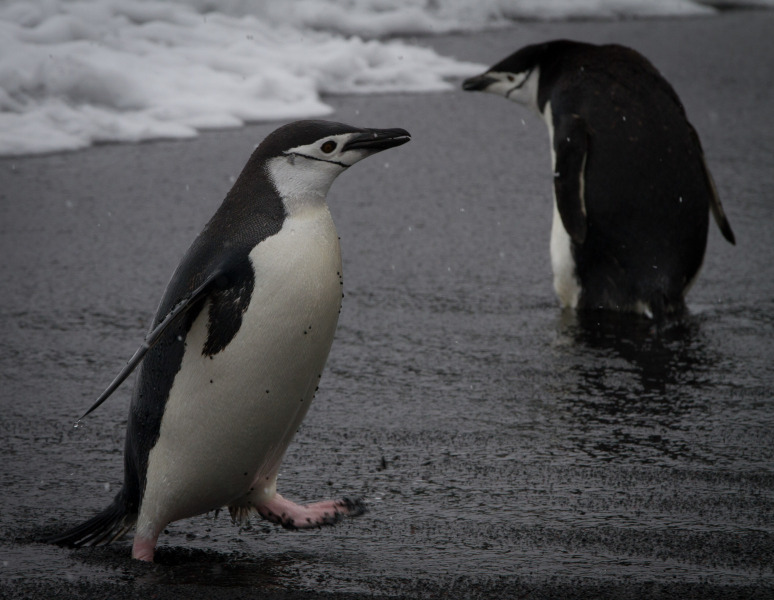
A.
x: 108, y: 526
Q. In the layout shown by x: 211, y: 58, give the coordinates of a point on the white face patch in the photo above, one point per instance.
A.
x: 328, y: 150
x: 304, y: 174
x: 517, y: 87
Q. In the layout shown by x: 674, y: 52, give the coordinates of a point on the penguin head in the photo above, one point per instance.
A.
x: 304, y: 157
x: 515, y: 77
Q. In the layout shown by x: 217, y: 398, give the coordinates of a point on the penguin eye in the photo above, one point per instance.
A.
x: 328, y: 147
x: 511, y: 78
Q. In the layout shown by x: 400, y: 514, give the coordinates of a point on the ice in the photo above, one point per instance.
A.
x: 81, y: 72
x: 76, y: 73
x: 382, y: 18
x: 597, y: 9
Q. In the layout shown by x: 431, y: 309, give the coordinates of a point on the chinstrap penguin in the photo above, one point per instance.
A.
x: 237, y: 347
x: 632, y: 190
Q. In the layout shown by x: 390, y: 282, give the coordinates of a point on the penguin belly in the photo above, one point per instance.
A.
x: 566, y: 283
x: 229, y: 417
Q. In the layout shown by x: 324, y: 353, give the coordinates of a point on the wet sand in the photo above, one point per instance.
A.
x: 505, y: 449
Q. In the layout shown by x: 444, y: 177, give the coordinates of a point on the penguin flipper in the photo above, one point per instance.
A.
x: 571, y: 145
x: 215, y: 279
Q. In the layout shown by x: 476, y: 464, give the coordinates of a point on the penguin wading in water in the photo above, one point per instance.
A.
x: 236, y: 350
x: 632, y: 191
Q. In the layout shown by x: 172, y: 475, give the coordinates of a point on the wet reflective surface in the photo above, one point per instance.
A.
x: 505, y: 448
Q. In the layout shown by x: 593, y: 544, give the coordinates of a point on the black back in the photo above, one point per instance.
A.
x: 647, y: 189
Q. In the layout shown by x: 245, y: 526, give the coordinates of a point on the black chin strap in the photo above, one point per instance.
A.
x: 333, y: 162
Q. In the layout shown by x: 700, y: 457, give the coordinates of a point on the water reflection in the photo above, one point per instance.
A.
x: 632, y: 390
x: 659, y: 356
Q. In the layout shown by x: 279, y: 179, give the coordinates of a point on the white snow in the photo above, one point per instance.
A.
x: 77, y: 72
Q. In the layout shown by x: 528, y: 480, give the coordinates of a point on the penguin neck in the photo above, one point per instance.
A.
x: 252, y: 194
x: 302, y: 184
x: 527, y: 93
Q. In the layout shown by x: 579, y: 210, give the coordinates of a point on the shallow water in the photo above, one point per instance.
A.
x: 505, y: 448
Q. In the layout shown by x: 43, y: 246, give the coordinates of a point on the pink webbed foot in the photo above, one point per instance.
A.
x: 296, y: 516
x: 144, y: 548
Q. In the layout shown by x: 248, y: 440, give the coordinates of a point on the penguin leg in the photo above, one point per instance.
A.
x: 146, y: 534
x: 290, y: 515
x: 143, y: 548
x: 281, y: 511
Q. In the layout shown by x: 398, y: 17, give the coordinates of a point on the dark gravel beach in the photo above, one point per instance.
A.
x: 505, y: 449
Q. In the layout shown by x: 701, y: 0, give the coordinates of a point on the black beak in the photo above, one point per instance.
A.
x: 378, y: 139
x: 478, y: 83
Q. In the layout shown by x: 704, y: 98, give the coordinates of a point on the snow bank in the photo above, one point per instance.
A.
x: 78, y: 72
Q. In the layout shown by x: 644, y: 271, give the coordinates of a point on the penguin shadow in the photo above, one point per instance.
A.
x: 197, y: 567
x: 176, y: 565
x: 631, y: 387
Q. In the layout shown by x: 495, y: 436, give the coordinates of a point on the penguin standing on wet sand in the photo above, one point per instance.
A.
x: 237, y: 347
x: 632, y: 191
